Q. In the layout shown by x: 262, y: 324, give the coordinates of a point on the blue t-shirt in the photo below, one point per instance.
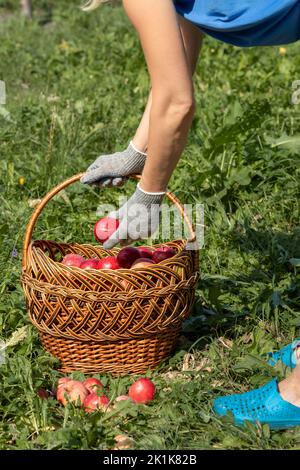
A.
x: 245, y: 22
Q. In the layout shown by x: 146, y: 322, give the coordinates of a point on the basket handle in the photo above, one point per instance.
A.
x: 38, y: 210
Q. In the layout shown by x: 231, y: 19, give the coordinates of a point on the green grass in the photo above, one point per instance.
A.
x: 76, y: 87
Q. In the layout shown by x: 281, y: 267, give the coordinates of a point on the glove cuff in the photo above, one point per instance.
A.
x: 142, y: 197
x: 150, y: 194
x: 137, y: 150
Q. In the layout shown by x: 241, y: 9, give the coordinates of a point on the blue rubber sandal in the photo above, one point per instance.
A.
x: 286, y: 355
x: 263, y: 404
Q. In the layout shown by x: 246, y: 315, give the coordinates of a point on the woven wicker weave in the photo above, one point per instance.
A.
x: 122, y: 321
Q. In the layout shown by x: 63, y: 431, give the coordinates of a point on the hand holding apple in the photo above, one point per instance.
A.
x: 104, y: 228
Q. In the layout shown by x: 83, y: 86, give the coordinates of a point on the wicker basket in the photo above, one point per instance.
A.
x: 122, y: 321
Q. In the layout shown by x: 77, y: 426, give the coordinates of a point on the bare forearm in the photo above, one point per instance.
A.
x: 140, y: 138
x: 168, y: 133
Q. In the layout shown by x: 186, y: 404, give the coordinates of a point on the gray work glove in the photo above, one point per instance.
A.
x: 139, y: 218
x: 110, y: 170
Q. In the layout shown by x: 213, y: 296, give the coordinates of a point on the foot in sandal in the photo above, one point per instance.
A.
x: 275, y: 404
x: 287, y: 355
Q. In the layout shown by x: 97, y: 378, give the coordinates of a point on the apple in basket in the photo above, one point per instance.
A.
x: 125, y: 284
x: 110, y: 262
x: 145, y: 251
x: 73, y: 260
x: 90, y: 264
x: 104, y: 228
x: 71, y: 390
x: 162, y: 253
x: 142, y: 263
x: 93, y: 402
x: 142, y: 391
x: 127, y: 256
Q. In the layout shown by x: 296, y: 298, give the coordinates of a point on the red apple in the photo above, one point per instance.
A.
x: 92, y: 384
x: 92, y: 402
x: 43, y: 394
x: 142, y: 391
x: 90, y: 264
x: 145, y: 252
x: 60, y: 382
x: 127, y: 256
x: 162, y: 253
x: 73, y: 260
x: 63, y: 380
x: 71, y: 390
x: 104, y: 228
x: 123, y: 398
x: 125, y: 284
x: 142, y: 263
x: 110, y: 262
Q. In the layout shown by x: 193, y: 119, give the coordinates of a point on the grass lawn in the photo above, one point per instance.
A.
x: 76, y: 87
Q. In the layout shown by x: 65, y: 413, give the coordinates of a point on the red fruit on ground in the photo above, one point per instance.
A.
x: 162, y: 253
x: 123, y: 398
x: 145, y: 252
x: 110, y: 262
x: 92, y: 402
x: 60, y: 382
x: 63, y: 380
x: 43, y: 394
x: 92, y: 384
x: 142, y: 391
x: 127, y: 256
x: 90, y: 264
x: 71, y: 390
x: 73, y: 260
x: 142, y: 263
x: 104, y: 228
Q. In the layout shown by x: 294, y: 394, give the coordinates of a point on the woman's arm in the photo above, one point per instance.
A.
x: 173, y: 104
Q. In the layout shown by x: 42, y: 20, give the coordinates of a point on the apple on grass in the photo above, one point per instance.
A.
x: 43, y: 394
x: 142, y: 391
x: 93, y: 402
x: 71, y: 390
x: 122, y: 398
x: 92, y: 384
x: 123, y: 442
